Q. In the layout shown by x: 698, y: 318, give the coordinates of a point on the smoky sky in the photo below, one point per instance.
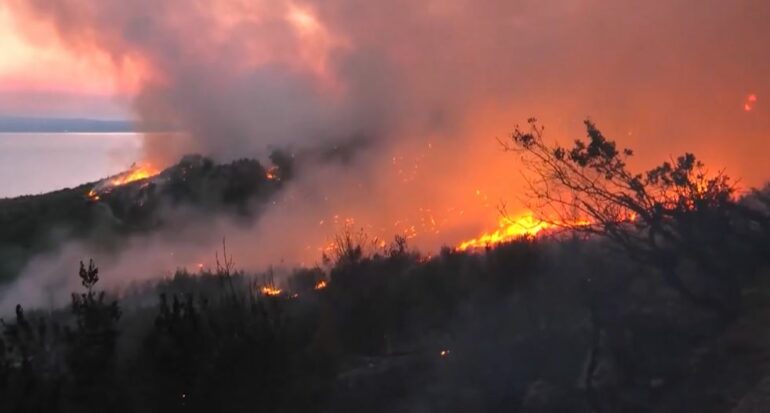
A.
x: 242, y: 75
x: 429, y: 84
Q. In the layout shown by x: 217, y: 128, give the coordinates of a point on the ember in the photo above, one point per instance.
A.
x: 750, y: 101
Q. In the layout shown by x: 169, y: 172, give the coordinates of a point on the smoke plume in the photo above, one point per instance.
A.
x: 428, y: 85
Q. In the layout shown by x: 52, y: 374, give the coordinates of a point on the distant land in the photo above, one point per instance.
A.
x: 20, y: 124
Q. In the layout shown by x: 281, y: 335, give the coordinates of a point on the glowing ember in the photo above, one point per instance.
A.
x: 509, y: 229
x: 444, y: 353
x: 750, y: 101
x: 270, y: 290
x: 272, y: 174
x: 320, y: 285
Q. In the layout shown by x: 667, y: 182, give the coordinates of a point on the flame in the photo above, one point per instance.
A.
x: 320, y: 285
x: 272, y: 174
x: 270, y: 290
x: 523, y: 226
x: 526, y: 225
x: 136, y: 173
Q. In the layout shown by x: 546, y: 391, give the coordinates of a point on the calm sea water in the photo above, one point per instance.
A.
x: 33, y: 163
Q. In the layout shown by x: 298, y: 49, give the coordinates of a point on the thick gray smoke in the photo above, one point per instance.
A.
x: 242, y: 74
x: 430, y: 84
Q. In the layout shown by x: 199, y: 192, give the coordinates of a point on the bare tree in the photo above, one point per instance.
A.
x: 675, y: 212
x: 225, y: 268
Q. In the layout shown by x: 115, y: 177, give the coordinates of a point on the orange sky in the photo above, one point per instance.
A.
x: 41, y: 77
x: 27, y: 65
x: 430, y: 83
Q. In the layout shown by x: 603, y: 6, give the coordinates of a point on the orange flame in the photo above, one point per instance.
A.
x: 136, y: 173
x: 320, y: 285
x: 523, y: 226
x: 270, y: 290
x: 272, y: 173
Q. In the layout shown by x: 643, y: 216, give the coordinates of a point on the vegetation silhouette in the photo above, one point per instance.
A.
x: 38, y: 223
x: 609, y: 322
x: 674, y: 214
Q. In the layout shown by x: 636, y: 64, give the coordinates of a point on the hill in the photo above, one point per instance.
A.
x: 36, y: 223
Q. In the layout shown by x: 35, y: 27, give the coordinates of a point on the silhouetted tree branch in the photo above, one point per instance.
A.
x: 676, y: 211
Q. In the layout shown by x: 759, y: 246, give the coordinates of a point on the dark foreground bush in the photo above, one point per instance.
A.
x: 560, y: 324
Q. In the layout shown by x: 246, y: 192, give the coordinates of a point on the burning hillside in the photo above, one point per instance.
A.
x: 301, y: 74
x: 141, y: 201
x: 313, y: 74
x: 397, y: 120
x: 135, y: 173
x: 509, y: 229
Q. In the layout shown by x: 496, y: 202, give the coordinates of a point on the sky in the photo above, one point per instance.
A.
x: 256, y: 73
x: 40, y: 77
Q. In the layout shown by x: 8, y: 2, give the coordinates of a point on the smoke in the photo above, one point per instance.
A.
x: 429, y: 85
x: 239, y: 75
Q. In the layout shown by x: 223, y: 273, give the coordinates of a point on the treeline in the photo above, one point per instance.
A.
x: 642, y: 309
x: 535, y: 324
x: 388, y: 330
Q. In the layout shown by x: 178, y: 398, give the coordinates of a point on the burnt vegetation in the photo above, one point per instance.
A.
x: 655, y: 299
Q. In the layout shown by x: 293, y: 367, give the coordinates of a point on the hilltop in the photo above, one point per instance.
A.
x: 37, y: 223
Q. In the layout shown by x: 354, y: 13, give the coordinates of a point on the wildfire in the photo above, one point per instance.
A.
x: 523, y: 226
x: 509, y: 229
x: 320, y: 285
x: 270, y: 290
x: 135, y: 173
x: 272, y: 174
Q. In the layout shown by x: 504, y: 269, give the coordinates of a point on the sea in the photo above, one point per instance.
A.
x: 35, y: 163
